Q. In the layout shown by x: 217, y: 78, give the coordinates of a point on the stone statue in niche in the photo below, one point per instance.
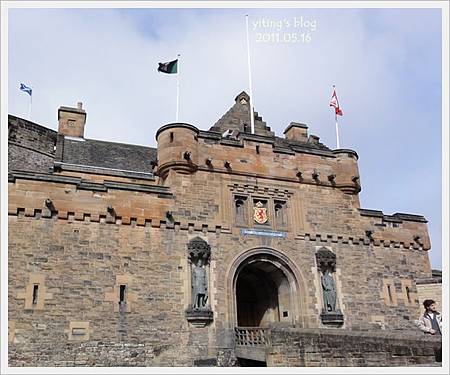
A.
x: 329, y: 292
x: 199, y: 285
x: 326, y: 264
x: 199, y: 311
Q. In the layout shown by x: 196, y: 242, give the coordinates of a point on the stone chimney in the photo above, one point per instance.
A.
x: 72, y: 121
x: 297, y: 132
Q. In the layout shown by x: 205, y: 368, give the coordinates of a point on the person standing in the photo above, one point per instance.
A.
x: 431, y: 323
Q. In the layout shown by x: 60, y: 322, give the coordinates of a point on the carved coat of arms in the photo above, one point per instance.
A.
x: 260, y: 213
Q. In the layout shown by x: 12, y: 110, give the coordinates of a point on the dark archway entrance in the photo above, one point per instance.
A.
x: 263, y: 294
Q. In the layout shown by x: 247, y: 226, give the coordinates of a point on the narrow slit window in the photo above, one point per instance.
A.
x: 408, y: 295
x: 171, y: 137
x: 122, y: 294
x: 389, y: 293
x: 239, y: 205
x: 257, y: 149
x: 35, y: 293
x: 280, y: 213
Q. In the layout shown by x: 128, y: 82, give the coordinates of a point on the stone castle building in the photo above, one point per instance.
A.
x: 219, y: 247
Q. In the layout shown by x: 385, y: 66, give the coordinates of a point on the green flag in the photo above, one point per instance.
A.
x: 170, y: 67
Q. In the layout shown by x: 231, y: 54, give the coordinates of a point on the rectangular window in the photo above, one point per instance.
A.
x: 78, y: 331
x: 280, y: 213
x: 408, y: 295
x: 239, y: 209
x: 389, y: 293
x: 35, y: 293
x: 122, y: 294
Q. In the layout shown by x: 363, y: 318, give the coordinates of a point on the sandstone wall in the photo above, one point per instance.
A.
x: 306, y: 347
x: 431, y: 290
x: 104, y: 237
x: 80, y: 264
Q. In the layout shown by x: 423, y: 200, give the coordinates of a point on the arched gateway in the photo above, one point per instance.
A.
x: 266, y: 288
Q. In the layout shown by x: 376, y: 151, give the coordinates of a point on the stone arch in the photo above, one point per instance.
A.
x: 274, y: 261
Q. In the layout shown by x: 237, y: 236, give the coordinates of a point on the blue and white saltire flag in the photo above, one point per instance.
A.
x: 26, y: 89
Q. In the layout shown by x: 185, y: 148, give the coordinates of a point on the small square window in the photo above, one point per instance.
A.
x: 78, y: 331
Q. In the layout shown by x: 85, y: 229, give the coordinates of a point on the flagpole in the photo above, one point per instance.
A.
x: 178, y: 87
x: 252, y: 115
x: 336, y: 120
x: 30, y: 106
x: 337, y: 131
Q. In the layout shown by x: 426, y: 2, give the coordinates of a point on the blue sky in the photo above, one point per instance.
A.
x: 386, y: 64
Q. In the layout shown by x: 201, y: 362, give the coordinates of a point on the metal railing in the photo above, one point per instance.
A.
x: 250, y: 336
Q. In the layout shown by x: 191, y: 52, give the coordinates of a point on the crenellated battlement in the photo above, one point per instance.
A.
x: 225, y: 155
x: 324, y: 239
x: 74, y: 200
x: 185, y: 149
x: 101, y: 236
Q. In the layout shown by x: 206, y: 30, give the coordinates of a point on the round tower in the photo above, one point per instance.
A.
x: 347, y: 173
x: 177, y: 149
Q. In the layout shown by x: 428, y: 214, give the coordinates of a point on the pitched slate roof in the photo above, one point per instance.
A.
x: 288, y: 143
x: 33, y: 147
x: 108, y: 155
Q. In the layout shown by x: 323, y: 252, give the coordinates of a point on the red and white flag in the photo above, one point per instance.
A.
x: 334, y: 102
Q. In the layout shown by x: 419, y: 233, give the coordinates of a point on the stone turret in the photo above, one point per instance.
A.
x: 230, y: 147
x: 177, y: 148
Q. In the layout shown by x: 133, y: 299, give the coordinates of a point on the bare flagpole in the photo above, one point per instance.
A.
x: 252, y: 115
x: 178, y: 88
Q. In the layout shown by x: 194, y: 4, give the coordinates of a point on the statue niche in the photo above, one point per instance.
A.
x: 199, y: 286
x: 199, y: 253
x: 326, y: 264
x: 329, y: 292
